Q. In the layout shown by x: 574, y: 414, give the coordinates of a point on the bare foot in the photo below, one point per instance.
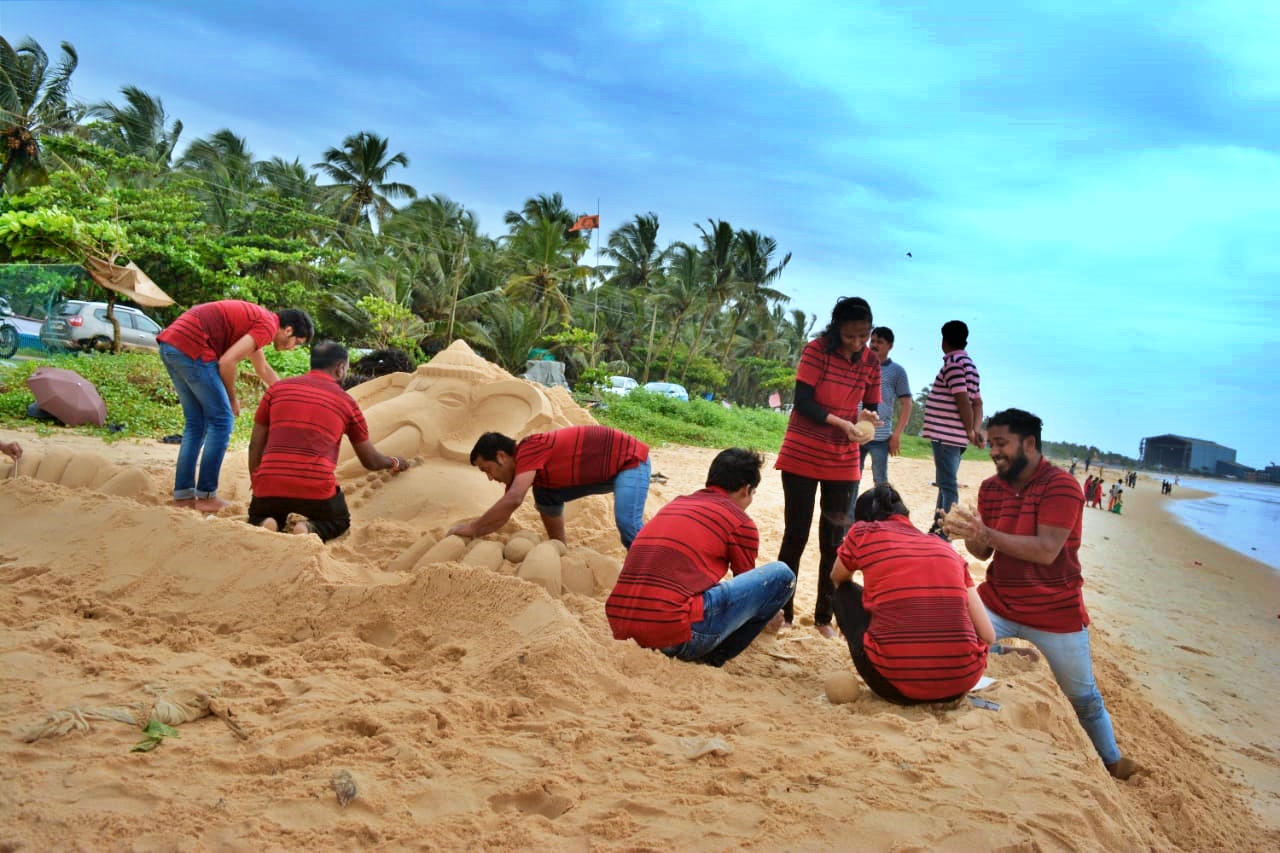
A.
x: 213, y: 504
x: 1124, y: 768
x: 183, y: 503
x: 827, y: 631
x: 775, y: 624
x: 301, y: 528
x: 270, y: 524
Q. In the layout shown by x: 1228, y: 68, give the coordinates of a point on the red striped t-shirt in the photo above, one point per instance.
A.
x: 821, y: 451
x: 942, y: 420
x: 680, y: 554
x: 306, y: 418
x: 915, y: 586
x: 205, y: 332
x: 578, y: 455
x: 1050, y: 597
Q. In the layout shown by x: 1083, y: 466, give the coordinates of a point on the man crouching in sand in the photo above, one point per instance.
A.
x: 671, y: 596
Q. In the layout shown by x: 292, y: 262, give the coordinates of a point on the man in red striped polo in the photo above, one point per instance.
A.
x: 297, y: 431
x: 672, y: 594
x: 1028, y: 523
x: 560, y: 466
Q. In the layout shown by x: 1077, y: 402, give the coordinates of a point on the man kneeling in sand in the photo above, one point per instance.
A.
x: 560, y: 466
x: 670, y: 595
x: 297, y: 431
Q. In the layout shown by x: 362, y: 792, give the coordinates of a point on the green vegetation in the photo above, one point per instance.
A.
x: 656, y: 420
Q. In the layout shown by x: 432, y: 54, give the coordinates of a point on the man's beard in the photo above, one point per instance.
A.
x: 1017, y: 465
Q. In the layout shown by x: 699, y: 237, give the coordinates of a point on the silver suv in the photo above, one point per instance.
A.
x: 76, y: 324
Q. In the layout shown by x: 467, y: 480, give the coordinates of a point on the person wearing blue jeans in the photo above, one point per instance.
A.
x: 894, y: 410
x: 952, y: 415
x: 1028, y: 523
x: 671, y: 594
x: 206, y: 408
x: 560, y: 466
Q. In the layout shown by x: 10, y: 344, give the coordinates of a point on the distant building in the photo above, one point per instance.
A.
x: 1271, y: 473
x: 1179, y: 453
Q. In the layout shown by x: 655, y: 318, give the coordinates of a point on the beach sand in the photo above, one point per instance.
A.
x: 472, y: 708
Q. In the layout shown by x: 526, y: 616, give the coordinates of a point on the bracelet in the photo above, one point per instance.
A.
x: 395, y: 463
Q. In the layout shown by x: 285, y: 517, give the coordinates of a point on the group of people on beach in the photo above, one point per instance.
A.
x: 917, y: 627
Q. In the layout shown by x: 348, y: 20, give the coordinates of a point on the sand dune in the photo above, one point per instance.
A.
x: 475, y: 709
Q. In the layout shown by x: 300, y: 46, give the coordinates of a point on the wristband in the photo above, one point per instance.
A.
x: 395, y: 463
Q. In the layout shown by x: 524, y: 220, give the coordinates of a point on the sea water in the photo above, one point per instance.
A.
x: 1243, y: 516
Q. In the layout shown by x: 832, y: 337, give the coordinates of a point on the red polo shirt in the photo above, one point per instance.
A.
x: 680, y: 554
x: 578, y: 456
x: 306, y: 418
x: 820, y: 451
x: 206, y: 331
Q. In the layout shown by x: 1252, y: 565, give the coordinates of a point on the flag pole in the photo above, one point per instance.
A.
x: 595, y: 314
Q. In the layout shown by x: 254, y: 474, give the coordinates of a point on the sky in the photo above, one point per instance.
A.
x: 1091, y: 186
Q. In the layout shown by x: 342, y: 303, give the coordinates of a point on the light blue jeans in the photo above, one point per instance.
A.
x: 1072, y: 665
x: 946, y: 468
x: 630, y: 489
x: 734, y: 612
x: 879, y: 453
x: 207, y: 410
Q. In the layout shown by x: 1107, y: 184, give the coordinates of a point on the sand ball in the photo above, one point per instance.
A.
x: 560, y: 547
x: 408, y: 558
x: 863, y: 432
x: 527, y: 534
x: 841, y: 687
x: 576, y: 575
x: 517, y: 548
x: 604, y: 569
x: 448, y: 548
x: 542, y: 566
x: 484, y: 554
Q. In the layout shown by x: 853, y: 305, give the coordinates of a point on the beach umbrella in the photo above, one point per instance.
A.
x: 67, y: 396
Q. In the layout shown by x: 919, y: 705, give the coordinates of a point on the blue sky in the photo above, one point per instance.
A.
x: 1091, y: 186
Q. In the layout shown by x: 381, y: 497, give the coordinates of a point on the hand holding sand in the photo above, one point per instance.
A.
x: 963, y: 523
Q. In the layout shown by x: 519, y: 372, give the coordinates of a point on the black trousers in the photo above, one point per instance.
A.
x: 854, y: 620
x: 798, y: 494
x: 328, y: 518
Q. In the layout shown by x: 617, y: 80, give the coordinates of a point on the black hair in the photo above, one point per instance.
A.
x: 878, y: 504
x: 299, y: 321
x: 488, y: 445
x: 955, y: 333
x: 1020, y: 423
x: 734, y: 468
x: 848, y: 309
x: 326, y: 354
x: 884, y: 333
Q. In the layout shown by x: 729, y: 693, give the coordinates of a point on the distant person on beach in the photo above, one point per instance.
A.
x: 11, y: 449
x: 895, y: 394
x: 1028, y: 523
x: 297, y: 431
x: 836, y: 374
x: 1095, y: 500
x: 202, y: 351
x: 916, y: 628
x: 560, y: 466
x: 952, y: 415
x: 1114, y: 495
x: 670, y: 594
x: 1088, y: 489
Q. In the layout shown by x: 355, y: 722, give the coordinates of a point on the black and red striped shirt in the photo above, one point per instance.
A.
x: 204, y: 332
x: 680, y: 554
x: 578, y: 455
x: 306, y: 418
x: 821, y: 451
x: 916, y: 588
x: 1047, y: 597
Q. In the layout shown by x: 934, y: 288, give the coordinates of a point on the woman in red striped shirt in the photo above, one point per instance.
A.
x: 916, y: 628
x: 837, y: 373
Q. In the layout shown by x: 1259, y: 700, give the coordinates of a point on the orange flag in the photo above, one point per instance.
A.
x: 586, y: 223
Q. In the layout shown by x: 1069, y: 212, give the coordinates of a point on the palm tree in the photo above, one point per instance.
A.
x: 633, y: 247
x: 540, y: 208
x: 753, y: 273
x: 361, y: 167
x: 227, y: 176
x: 33, y: 101
x: 716, y: 280
x: 544, y: 271
x: 508, y: 331
x: 680, y: 297
x: 137, y: 128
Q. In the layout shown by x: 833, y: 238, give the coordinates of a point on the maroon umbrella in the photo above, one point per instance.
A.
x: 67, y: 396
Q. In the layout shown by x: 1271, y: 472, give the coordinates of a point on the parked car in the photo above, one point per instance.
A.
x: 79, y: 325
x: 621, y: 385
x: 668, y: 389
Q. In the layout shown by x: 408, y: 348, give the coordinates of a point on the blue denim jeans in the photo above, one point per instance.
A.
x: 207, y: 410
x: 630, y: 489
x: 946, y: 469
x: 734, y: 612
x: 879, y: 453
x: 1072, y: 665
